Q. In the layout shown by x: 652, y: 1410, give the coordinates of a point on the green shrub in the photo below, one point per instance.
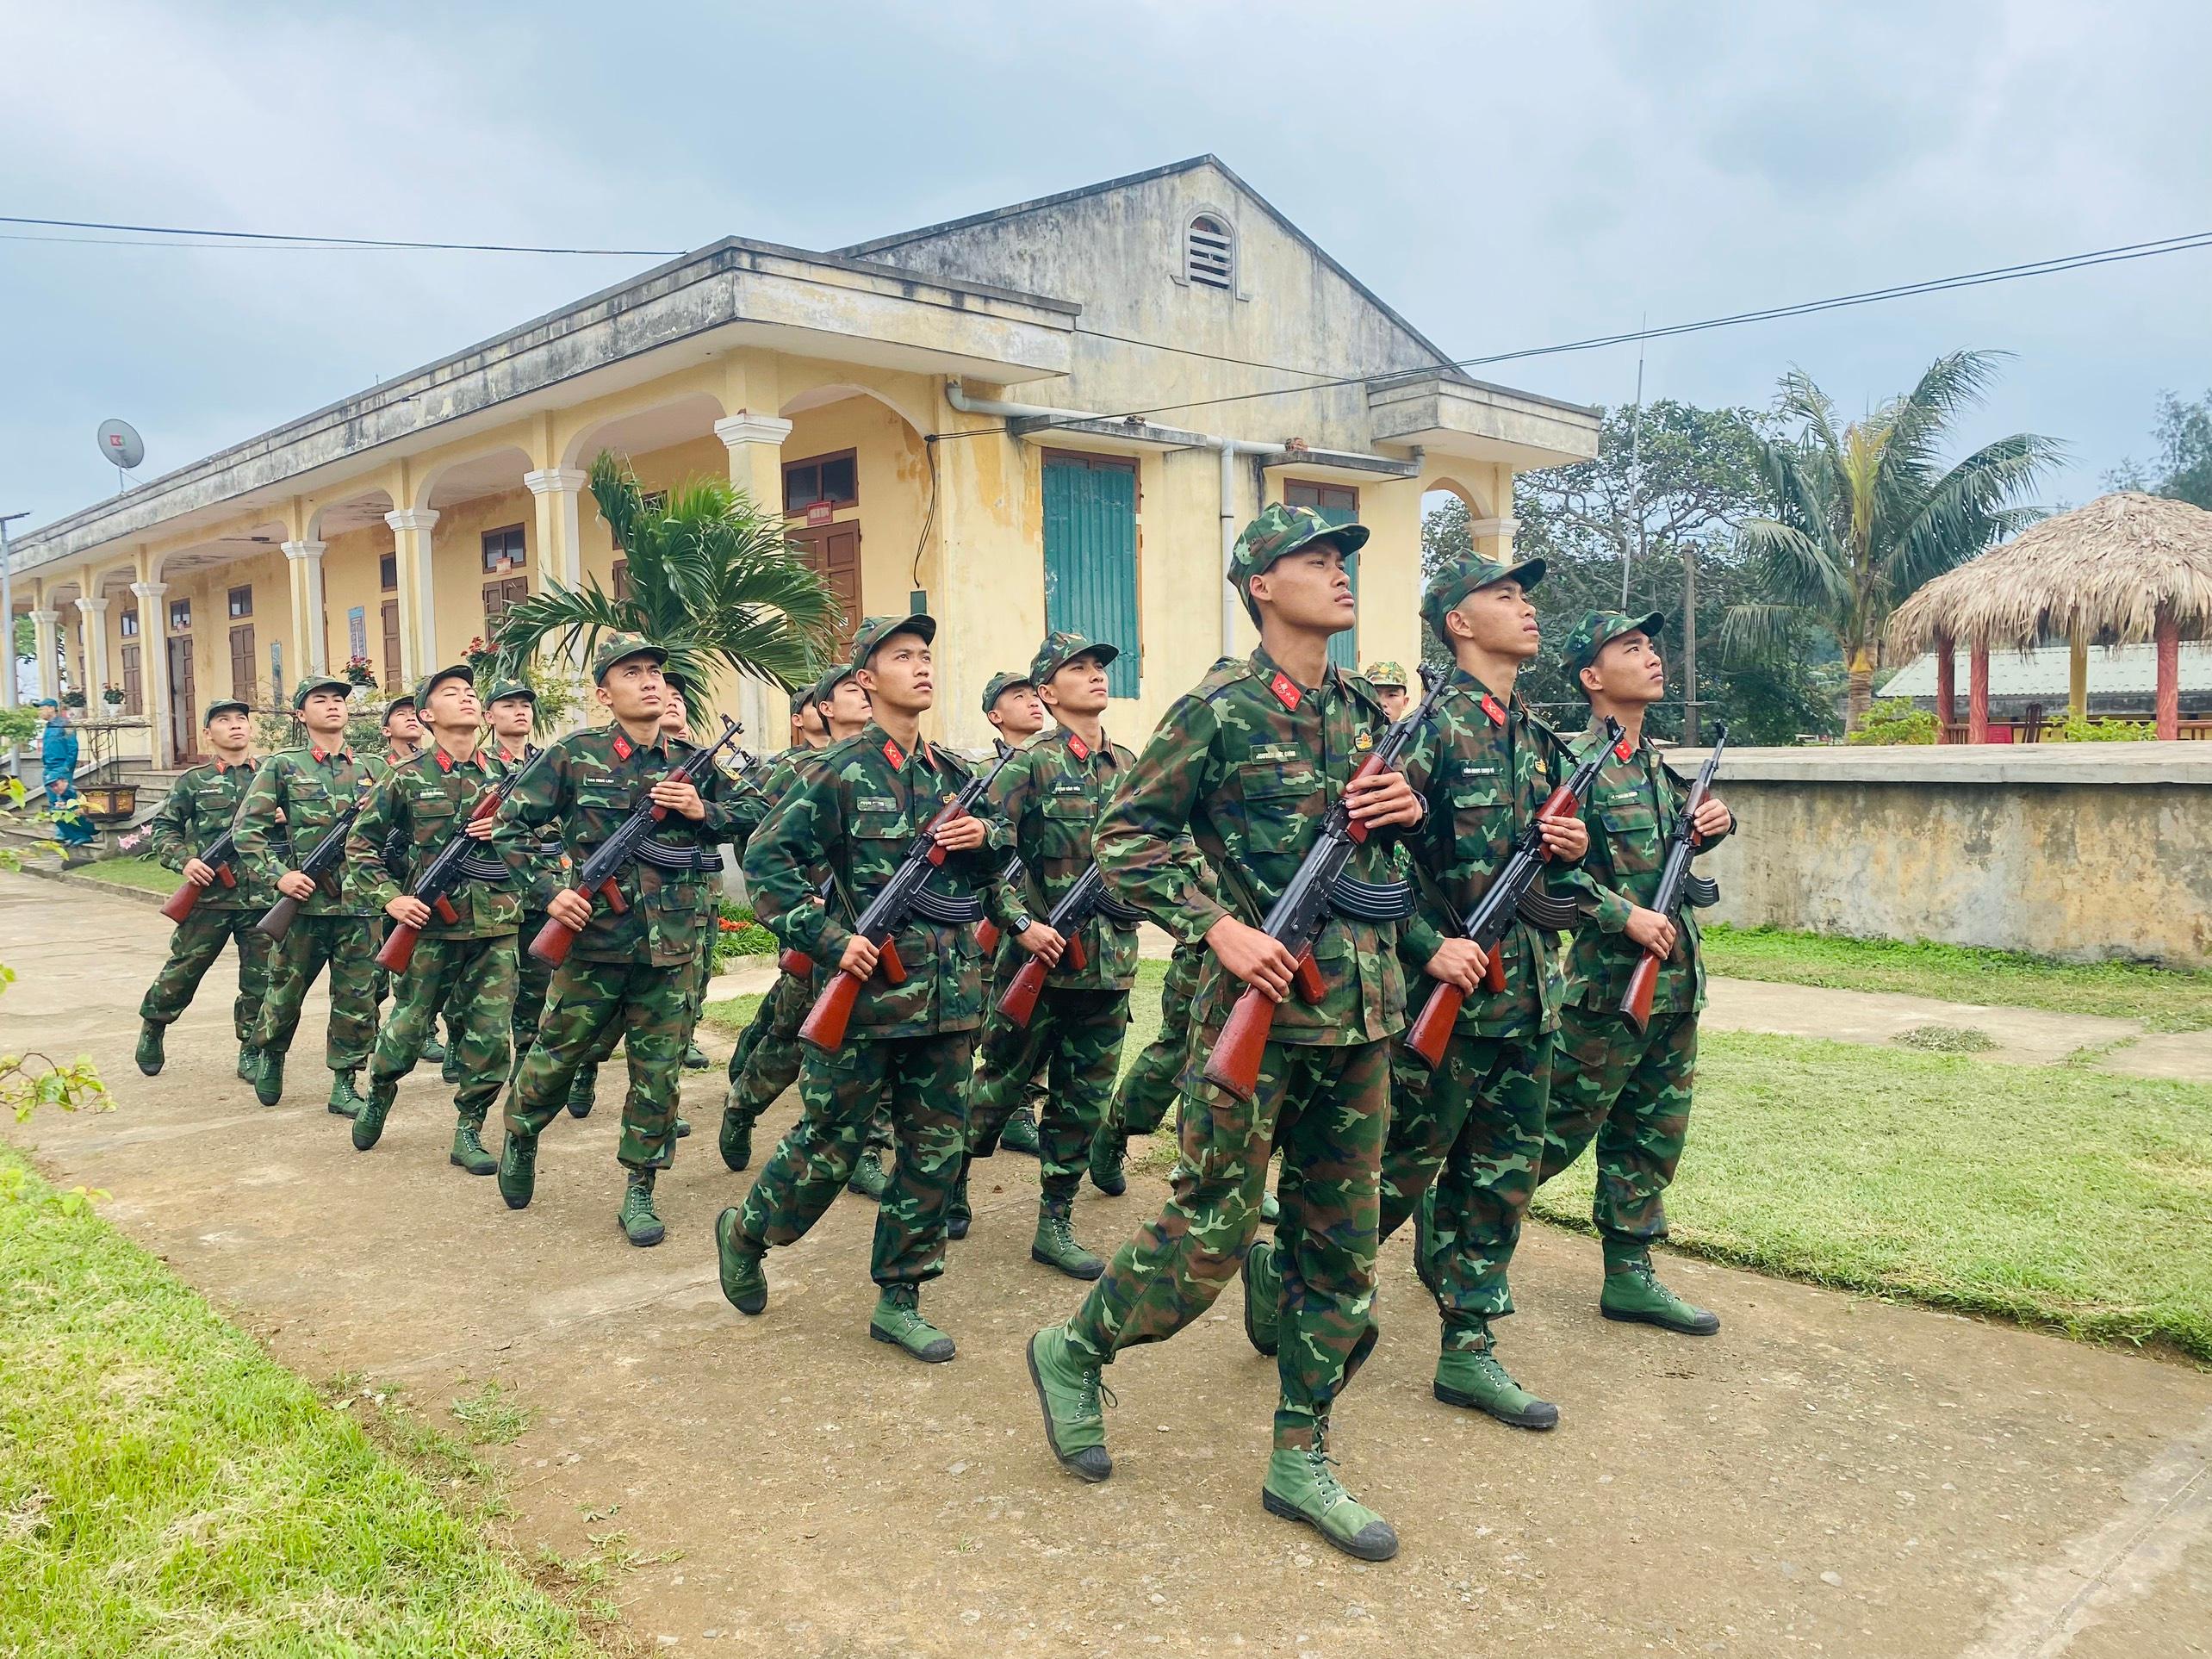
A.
x: 1894, y: 720
x: 737, y: 934
x: 2074, y: 729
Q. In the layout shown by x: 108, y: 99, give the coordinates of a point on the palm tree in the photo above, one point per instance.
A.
x: 1862, y: 518
x: 712, y: 578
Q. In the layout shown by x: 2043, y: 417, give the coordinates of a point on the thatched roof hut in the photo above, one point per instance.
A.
x: 2128, y: 569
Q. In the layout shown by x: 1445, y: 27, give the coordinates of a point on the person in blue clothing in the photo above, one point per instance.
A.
x: 58, y: 752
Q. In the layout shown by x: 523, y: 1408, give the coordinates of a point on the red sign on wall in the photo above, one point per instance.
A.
x: 820, y: 513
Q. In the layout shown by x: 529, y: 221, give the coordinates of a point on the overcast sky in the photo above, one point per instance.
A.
x: 1505, y: 176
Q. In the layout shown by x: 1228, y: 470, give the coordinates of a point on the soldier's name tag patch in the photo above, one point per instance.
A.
x: 1470, y: 769
x: 875, y: 803
x: 1277, y: 752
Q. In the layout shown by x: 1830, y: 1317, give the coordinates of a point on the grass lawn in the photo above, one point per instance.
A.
x: 2163, y: 999
x: 166, y: 1487
x: 2045, y: 1193
x: 140, y: 873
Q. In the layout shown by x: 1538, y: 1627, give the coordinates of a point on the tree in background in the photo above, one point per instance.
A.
x: 712, y: 580
x: 2184, y: 469
x: 1862, y: 517
x: 1650, y: 507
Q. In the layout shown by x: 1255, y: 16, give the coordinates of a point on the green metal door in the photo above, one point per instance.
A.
x: 1090, y: 557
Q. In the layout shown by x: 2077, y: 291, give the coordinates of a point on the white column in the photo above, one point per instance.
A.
x: 411, y: 543
x: 154, y: 669
x: 557, y: 492
x: 1499, y: 532
x: 44, y: 624
x: 755, y: 444
x: 95, y: 612
x: 310, y: 627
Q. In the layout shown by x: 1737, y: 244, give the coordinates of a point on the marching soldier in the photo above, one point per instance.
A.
x: 1050, y: 795
x: 1247, y: 764
x: 295, y: 799
x: 464, y: 967
x: 629, y: 973
x: 196, y: 813
x: 512, y: 709
x: 1484, y: 763
x: 857, y: 812
x: 1390, y: 688
x: 1015, y: 713
x: 402, y: 727
x: 1631, y: 1091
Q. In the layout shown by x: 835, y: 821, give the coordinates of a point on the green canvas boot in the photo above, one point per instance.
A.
x: 1262, y: 1288
x: 1070, y: 1393
x: 1633, y: 1294
x: 695, y: 1059
x: 1020, y: 1134
x: 150, y: 1055
x: 742, y: 1282
x: 1109, y: 1149
x: 898, y: 1320
x: 468, y: 1151
x: 249, y: 1062
x: 269, y: 1079
x: 1473, y: 1377
x: 958, y: 1216
x: 450, y: 1070
x: 369, y: 1122
x: 1271, y: 1212
x: 344, y: 1098
x: 1055, y: 1245
x: 582, y: 1089
x: 519, y: 1170
x: 433, y: 1052
x: 868, y: 1179
x: 636, y: 1217
x: 736, y: 1141
x: 1301, y: 1486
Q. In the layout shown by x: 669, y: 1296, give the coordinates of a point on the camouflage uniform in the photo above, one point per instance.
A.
x: 767, y: 1059
x: 531, y: 977
x: 310, y: 787
x: 855, y: 813
x: 1247, y: 763
x: 1050, y: 795
x: 1147, y: 1089
x: 198, y: 809
x: 466, y: 967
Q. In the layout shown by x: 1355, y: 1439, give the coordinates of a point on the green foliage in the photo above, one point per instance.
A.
x: 713, y: 579
x: 2184, y: 468
x: 18, y: 726
x: 145, y: 874
x: 737, y: 934
x: 493, y: 1416
x: 557, y: 693
x: 2076, y: 729
x: 1894, y: 720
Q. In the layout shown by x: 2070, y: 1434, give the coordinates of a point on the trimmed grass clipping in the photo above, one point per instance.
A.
x: 2051, y: 1196
x: 166, y: 1487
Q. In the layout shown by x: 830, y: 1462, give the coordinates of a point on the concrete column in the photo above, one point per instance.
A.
x: 557, y: 493
x: 2077, y: 676
x: 44, y: 624
x: 94, y: 657
x: 1493, y: 537
x: 411, y: 543
x: 1947, y: 686
x: 1978, y: 694
x: 310, y: 627
x: 153, y: 668
x: 755, y: 444
x: 2167, y: 645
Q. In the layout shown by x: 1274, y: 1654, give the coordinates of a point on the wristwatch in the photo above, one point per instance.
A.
x: 1021, y: 922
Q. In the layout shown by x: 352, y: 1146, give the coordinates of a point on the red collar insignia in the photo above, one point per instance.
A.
x: 323, y: 756
x: 1082, y: 749
x: 891, y: 753
x: 1491, y: 707
x: 1286, y: 691
x: 1622, y: 750
x: 622, y: 749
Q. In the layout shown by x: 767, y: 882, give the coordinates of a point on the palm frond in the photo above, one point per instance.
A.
x: 1791, y: 565
x: 1759, y: 632
x: 1968, y: 509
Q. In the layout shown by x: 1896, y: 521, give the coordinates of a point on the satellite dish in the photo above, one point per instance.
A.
x: 122, y: 446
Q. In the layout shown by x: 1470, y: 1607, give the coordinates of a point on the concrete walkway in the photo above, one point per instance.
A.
x: 1830, y: 1474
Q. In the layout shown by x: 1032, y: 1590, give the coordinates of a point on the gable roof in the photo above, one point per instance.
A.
x: 930, y: 233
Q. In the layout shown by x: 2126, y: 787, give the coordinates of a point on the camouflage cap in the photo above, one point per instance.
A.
x: 1278, y: 533
x: 1061, y: 648
x: 310, y: 684
x: 1595, y: 630
x: 876, y: 630
x: 1002, y: 683
x: 1387, y: 673
x: 826, y: 687
x: 430, y: 682
x: 1463, y: 576
x: 404, y: 700
x: 801, y: 700
x: 620, y: 647
x: 223, y: 706
x: 503, y: 689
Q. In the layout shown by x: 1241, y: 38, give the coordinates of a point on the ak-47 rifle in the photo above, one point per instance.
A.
x: 221, y: 854
x: 1318, y: 888
x: 315, y: 865
x: 1087, y: 898
x: 455, y: 862
x: 1511, y: 896
x: 1676, y: 884
x: 986, y: 932
x: 596, y: 881
x: 904, y: 894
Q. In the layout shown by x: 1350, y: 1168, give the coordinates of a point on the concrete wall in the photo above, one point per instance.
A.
x: 2081, y: 851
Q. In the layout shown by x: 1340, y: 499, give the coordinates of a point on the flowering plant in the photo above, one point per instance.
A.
x: 359, y: 671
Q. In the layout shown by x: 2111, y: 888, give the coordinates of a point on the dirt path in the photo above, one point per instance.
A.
x: 1830, y: 1474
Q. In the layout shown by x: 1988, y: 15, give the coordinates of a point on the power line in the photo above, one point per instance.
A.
x: 277, y: 239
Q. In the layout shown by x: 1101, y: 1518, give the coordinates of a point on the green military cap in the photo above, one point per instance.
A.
x: 1062, y: 648
x: 1463, y: 576
x: 1002, y: 683
x: 876, y: 630
x: 1595, y: 630
x: 800, y: 701
x: 1278, y: 533
x: 619, y: 648
x: 1387, y: 674
x: 429, y: 683
x: 404, y: 700
x: 503, y: 689
x: 310, y: 684
x: 224, y: 706
x: 826, y: 687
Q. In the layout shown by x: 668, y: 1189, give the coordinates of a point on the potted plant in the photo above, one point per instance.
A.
x: 73, y: 699
x: 359, y: 671
x: 112, y: 696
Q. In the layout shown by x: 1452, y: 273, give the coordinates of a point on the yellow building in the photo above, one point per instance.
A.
x: 1035, y: 417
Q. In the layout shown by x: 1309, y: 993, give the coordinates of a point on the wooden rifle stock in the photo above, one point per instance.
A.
x: 1019, y: 1003
x: 825, y: 1023
x: 179, y: 903
x: 796, y: 963
x: 1432, y: 1030
x: 986, y: 935
x: 397, y: 953
x: 278, y: 922
x: 551, y: 945
x: 1636, y: 1003
x: 1234, y: 1063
